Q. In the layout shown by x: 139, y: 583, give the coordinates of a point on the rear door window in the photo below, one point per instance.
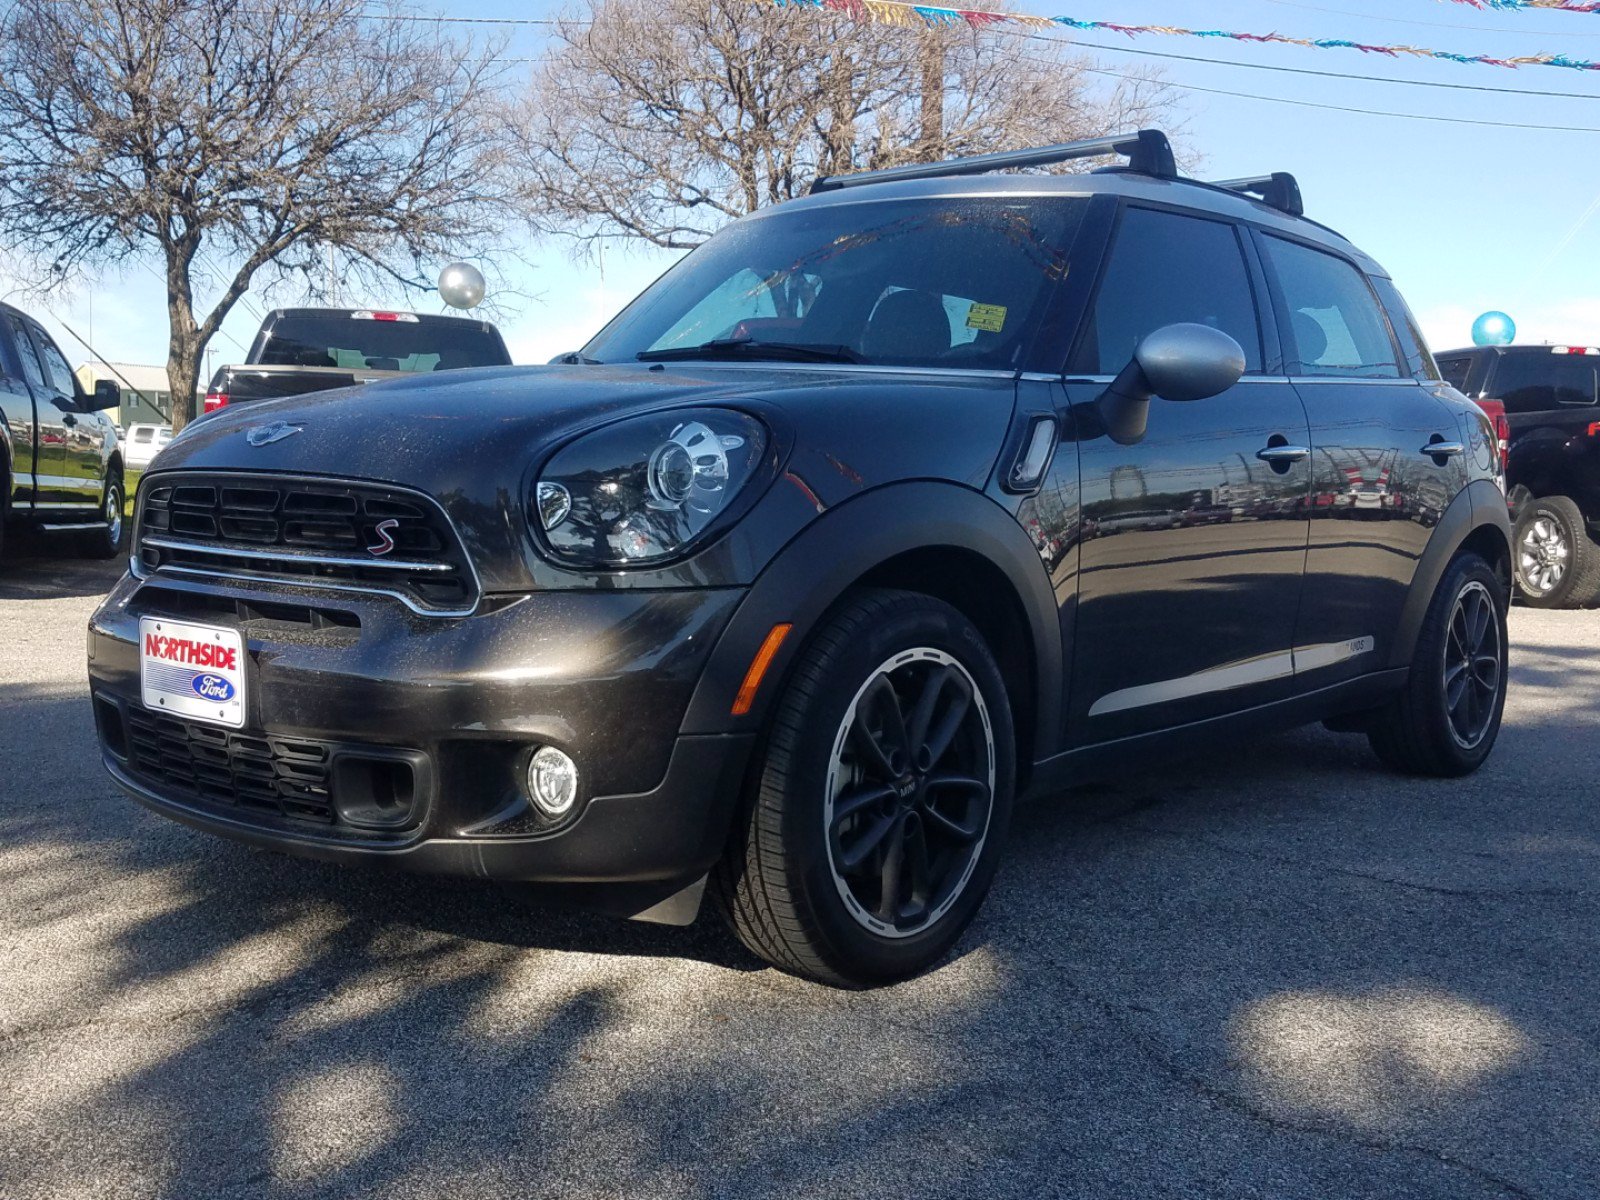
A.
x: 1541, y: 381
x: 1166, y: 269
x: 1336, y: 327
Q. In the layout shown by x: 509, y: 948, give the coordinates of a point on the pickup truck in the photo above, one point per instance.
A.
x: 60, y: 467
x: 1545, y: 402
x: 299, y: 350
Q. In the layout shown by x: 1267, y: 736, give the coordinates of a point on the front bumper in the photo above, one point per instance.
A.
x: 342, y: 682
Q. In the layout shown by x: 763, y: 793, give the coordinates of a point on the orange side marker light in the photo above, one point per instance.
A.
x: 758, y: 668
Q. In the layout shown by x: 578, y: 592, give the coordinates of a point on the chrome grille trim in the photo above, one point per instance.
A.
x: 252, y: 564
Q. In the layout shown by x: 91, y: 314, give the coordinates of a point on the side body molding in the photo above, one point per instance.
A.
x: 1479, y: 505
x: 847, y: 542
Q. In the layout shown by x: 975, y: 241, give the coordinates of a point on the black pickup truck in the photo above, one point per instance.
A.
x: 60, y: 468
x: 1545, y: 400
x: 299, y: 350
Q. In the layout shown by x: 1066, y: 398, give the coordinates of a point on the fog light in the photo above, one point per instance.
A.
x: 552, y: 781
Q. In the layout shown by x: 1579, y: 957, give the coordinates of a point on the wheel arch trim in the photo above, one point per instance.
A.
x: 1480, y: 505
x: 835, y: 551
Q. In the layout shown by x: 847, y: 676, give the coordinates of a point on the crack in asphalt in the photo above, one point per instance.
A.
x: 1534, y: 893
x: 1120, y: 1016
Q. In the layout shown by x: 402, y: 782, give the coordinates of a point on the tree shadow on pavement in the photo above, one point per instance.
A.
x: 1274, y: 971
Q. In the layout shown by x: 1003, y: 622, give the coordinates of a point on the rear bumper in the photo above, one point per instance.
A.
x: 335, y: 683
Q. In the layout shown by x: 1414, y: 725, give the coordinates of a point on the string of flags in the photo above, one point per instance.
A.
x: 900, y: 12
x: 1578, y: 6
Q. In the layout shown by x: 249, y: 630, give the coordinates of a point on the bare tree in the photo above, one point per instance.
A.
x: 259, y: 133
x: 662, y: 123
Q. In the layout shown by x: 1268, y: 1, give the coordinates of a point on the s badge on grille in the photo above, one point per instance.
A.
x: 385, y: 531
x: 265, y: 435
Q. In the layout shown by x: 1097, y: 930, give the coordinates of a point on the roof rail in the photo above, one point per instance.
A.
x: 1281, y: 190
x: 1148, y: 152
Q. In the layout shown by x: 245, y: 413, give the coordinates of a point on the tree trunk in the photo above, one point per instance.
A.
x: 184, y: 345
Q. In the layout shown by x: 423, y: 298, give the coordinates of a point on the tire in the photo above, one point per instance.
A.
x: 105, y: 541
x: 803, y: 883
x: 1460, y: 657
x: 1557, y: 564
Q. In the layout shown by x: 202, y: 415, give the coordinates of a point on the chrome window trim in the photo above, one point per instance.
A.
x: 154, y: 479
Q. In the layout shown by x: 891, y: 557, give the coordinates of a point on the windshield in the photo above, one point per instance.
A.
x: 363, y: 344
x: 946, y: 282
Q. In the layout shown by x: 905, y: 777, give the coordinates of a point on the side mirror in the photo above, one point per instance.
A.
x: 107, y: 394
x: 1176, y: 362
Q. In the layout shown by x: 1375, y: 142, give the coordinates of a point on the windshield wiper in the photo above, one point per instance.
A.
x: 745, y: 348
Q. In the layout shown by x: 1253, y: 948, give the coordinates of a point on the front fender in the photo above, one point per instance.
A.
x: 842, y: 546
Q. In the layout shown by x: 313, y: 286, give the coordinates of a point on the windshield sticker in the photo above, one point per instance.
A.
x: 991, y: 318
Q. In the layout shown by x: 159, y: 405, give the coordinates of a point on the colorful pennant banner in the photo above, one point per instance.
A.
x: 895, y: 12
x: 1577, y: 6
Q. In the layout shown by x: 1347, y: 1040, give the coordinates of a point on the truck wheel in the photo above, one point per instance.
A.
x: 883, y: 798
x: 105, y: 541
x: 1445, y: 721
x: 1558, y: 566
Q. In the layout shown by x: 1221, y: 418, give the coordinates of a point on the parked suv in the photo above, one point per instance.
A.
x: 60, y: 465
x: 880, y: 510
x: 1547, y: 402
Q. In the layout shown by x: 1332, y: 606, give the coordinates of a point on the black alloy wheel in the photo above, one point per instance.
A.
x: 884, y: 796
x: 909, y: 793
x: 1473, y: 662
x: 1445, y: 720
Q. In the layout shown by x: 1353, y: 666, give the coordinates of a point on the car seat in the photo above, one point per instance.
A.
x: 907, y: 325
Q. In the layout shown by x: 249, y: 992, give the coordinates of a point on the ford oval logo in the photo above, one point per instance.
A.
x: 265, y: 435
x: 213, y: 688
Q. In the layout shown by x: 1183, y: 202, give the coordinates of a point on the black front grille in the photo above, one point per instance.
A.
x: 306, y: 530
x: 260, y: 773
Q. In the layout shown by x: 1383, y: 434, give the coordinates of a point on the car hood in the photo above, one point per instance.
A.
x: 470, y: 438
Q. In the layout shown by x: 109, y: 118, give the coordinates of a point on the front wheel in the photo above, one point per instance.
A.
x: 884, y: 796
x: 1445, y: 721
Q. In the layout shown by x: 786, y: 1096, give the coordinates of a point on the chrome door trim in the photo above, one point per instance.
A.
x: 1266, y: 668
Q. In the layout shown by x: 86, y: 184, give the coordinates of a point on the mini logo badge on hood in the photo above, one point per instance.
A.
x: 265, y: 435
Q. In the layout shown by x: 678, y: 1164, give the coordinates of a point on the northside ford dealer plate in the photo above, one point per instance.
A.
x: 194, y: 671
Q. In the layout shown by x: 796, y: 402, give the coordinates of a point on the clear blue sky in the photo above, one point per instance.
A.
x: 1467, y: 218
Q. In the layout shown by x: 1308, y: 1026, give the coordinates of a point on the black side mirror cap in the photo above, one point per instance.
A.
x: 107, y: 394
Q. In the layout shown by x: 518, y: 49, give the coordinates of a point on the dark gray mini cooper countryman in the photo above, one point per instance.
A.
x: 884, y: 509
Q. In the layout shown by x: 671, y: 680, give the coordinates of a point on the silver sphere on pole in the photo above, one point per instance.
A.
x: 461, y: 285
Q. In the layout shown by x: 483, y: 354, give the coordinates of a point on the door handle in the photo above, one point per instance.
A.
x: 1284, y: 454
x: 1441, y: 449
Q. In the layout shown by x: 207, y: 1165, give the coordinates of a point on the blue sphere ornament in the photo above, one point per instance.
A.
x: 1494, y: 329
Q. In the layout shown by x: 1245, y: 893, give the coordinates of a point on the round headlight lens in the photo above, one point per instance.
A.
x: 644, y: 489
x: 671, y: 475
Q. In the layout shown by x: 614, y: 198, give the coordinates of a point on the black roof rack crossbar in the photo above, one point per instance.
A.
x: 1148, y: 152
x: 1281, y: 190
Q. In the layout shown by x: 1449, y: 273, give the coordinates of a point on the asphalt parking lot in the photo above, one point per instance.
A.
x: 1274, y: 972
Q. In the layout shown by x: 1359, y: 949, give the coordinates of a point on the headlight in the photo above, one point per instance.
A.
x: 644, y: 489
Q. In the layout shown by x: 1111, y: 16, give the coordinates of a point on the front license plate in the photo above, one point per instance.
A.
x: 194, y: 671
